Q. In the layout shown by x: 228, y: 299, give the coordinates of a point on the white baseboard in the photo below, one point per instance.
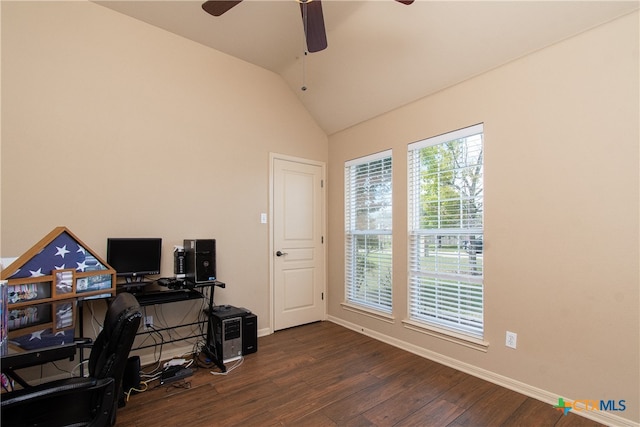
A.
x: 545, y: 396
x: 264, y: 332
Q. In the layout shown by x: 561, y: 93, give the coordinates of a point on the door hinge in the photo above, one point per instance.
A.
x: 323, y: 296
x: 322, y: 239
x: 322, y: 183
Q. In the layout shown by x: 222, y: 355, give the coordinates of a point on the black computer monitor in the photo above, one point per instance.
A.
x: 134, y: 257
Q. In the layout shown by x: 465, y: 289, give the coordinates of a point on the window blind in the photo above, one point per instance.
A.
x: 446, y: 231
x: 368, y: 236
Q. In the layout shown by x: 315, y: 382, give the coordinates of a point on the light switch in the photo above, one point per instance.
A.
x: 263, y: 218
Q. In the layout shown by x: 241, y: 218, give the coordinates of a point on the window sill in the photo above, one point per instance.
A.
x: 456, y: 338
x: 368, y: 312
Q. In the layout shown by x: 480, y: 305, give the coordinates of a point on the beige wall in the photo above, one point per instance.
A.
x: 561, y: 215
x: 115, y: 128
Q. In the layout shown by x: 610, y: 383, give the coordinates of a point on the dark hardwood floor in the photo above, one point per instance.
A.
x: 325, y: 375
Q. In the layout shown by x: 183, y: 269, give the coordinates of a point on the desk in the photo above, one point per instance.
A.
x: 190, y: 291
x: 165, y: 297
x: 24, y: 359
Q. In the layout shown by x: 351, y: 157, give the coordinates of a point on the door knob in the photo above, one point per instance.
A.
x: 279, y: 253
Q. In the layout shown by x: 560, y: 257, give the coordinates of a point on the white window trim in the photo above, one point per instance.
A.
x: 447, y: 335
x: 369, y: 158
x: 446, y: 137
x: 369, y: 312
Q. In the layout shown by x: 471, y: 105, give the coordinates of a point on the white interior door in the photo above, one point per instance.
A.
x: 298, y: 252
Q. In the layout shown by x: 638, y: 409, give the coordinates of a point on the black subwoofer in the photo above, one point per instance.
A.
x: 249, y: 334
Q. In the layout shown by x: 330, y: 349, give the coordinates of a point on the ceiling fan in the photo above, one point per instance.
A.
x: 312, y: 19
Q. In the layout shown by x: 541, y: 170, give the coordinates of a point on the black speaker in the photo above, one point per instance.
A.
x: 200, y: 260
x: 130, y: 379
x: 249, y: 334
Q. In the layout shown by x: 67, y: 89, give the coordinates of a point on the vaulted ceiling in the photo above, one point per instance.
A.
x: 381, y: 54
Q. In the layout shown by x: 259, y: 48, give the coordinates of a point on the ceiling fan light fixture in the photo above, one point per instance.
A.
x: 312, y: 19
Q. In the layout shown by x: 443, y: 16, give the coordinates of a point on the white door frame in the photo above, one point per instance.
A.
x: 272, y: 158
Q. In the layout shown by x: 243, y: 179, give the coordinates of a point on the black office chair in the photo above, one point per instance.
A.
x: 85, y: 401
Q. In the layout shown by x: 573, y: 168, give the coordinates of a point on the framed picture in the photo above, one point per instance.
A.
x: 95, y: 282
x: 63, y: 315
x: 29, y: 316
x: 64, y: 282
x: 31, y: 291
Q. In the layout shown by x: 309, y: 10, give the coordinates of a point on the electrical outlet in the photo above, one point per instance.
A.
x: 148, y: 322
x: 512, y: 339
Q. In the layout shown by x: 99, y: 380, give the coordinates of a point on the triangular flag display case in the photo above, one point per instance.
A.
x: 44, y: 285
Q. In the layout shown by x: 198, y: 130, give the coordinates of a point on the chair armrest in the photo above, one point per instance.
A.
x: 43, y: 391
x: 73, y: 401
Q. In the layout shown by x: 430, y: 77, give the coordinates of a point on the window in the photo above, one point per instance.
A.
x: 446, y: 231
x: 368, y: 231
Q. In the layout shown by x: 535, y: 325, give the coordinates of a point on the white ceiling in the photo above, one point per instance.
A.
x: 381, y: 54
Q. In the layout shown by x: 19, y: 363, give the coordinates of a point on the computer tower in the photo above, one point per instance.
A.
x: 249, y: 334
x: 227, y: 339
x: 225, y: 335
x: 200, y: 260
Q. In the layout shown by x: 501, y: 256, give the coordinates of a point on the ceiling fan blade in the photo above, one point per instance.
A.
x: 407, y: 2
x: 218, y: 7
x: 313, y: 22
